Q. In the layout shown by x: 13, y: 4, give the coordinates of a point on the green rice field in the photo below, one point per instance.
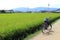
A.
x: 14, y: 24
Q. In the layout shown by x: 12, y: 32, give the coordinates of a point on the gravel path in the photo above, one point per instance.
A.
x: 53, y: 35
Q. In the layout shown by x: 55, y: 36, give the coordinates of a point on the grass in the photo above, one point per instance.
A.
x: 9, y: 23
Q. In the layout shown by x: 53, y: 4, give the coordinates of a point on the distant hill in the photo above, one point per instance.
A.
x: 37, y: 9
x: 58, y: 10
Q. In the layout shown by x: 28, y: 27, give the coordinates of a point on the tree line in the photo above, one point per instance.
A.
x: 12, y: 11
x: 6, y: 11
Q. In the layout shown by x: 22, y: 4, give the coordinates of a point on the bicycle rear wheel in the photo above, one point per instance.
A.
x: 46, y: 28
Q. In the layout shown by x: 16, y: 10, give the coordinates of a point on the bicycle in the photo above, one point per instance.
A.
x: 46, y: 28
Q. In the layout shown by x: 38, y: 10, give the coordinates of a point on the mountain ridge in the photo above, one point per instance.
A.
x: 24, y: 9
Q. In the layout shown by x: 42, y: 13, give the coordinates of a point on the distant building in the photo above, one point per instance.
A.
x: 10, y: 11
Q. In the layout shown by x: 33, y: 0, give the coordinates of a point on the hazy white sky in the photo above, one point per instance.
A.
x: 9, y: 4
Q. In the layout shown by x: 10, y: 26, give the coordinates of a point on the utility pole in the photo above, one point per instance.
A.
x: 48, y: 7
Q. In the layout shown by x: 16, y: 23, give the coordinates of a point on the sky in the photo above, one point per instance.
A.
x: 10, y: 4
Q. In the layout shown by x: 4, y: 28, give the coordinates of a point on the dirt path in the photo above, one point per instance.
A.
x: 54, y: 35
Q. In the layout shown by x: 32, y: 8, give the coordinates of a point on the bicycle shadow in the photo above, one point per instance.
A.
x: 49, y: 33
